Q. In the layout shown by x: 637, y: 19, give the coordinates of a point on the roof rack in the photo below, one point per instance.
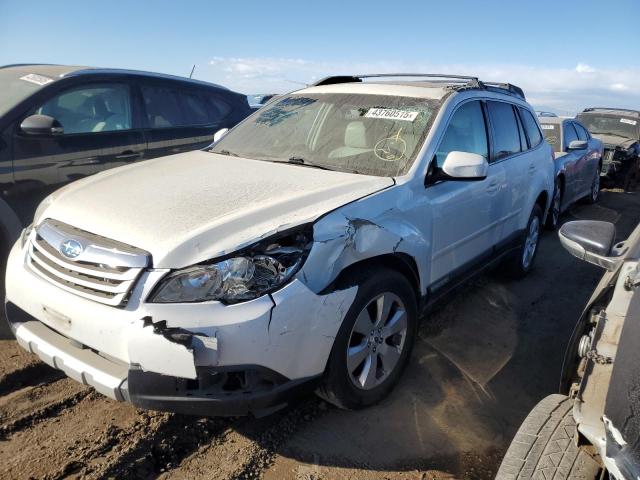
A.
x: 455, y: 81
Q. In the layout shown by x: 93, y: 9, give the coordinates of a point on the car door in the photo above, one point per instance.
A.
x: 97, y: 133
x: 179, y: 118
x: 465, y: 214
x: 571, y: 161
x: 509, y: 151
x: 588, y: 162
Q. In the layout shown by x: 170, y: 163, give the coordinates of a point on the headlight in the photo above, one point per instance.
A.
x: 245, y: 275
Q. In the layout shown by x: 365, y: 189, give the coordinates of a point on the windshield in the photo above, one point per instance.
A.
x: 15, y: 86
x: 553, y: 135
x: 611, y: 125
x: 369, y: 134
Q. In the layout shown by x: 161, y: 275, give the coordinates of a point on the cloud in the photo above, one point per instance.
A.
x: 564, y: 90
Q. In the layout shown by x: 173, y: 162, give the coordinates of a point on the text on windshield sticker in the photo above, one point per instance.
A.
x: 37, y: 79
x: 548, y: 127
x: 391, y: 114
x: 630, y: 122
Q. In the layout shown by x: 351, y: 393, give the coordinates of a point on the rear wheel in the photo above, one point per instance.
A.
x: 374, y: 342
x: 521, y: 263
x: 544, y: 446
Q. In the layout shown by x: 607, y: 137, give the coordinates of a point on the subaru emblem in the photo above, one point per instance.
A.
x: 71, y: 248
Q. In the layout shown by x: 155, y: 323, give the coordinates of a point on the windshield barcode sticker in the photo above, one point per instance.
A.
x: 37, y: 79
x: 391, y: 114
x: 548, y: 127
x: 630, y: 122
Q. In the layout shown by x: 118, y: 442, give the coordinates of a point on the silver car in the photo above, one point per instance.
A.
x: 578, y: 159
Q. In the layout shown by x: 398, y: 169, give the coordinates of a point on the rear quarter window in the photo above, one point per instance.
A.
x: 531, y: 127
x: 553, y: 135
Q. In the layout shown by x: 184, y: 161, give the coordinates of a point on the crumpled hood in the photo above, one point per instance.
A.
x: 611, y: 141
x: 195, y: 206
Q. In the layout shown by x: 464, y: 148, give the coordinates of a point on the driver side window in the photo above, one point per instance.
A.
x: 466, y: 132
x: 91, y: 109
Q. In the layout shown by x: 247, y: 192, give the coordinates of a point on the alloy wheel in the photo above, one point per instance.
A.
x: 531, y: 242
x: 377, y: 341
x: 555, y: 205
x: 595, y: 188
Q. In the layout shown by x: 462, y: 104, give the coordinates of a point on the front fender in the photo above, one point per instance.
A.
x: 365, y: 229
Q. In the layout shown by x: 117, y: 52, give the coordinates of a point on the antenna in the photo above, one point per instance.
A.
x: 192, y: 70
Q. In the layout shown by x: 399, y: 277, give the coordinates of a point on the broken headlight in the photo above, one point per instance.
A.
x: 245, y: 275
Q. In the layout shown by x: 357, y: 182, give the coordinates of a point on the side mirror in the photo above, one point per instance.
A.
x: 578, y: 145
x: 591, y: 241
x: 219, y: 134
x: 465, y: 166
x: 41, y: 125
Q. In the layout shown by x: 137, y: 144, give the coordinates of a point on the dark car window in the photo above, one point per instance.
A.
x: 195, y: 109
x: 466, y: 132
x: 582, y: 133
x: 531, y: 127
x: 506, y: 136
x: 218, y: 108
x: 91, y: 109
x: 163, y: 106
x: 570, y: 134
x: 553, y: 135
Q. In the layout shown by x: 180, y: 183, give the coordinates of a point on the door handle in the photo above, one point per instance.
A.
x: 129, y: 155
x: 532, y: 168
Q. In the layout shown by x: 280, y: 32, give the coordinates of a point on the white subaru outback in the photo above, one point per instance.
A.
x: 297, y: 252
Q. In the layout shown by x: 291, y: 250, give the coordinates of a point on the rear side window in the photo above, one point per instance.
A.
x: 506, y: 135
x: 582, y: 133
x: 218, y: 108
x: 195, y: 109
x: 163, y: 106
x: 466, y: 132
x: 531, y: 127
x: 570, y: 134
x: 553, y: 135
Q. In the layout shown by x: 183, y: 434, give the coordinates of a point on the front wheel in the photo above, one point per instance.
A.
x: 544, y: 446
x: 594, y: 193
x: 375, y: 340
x: 553, y: 217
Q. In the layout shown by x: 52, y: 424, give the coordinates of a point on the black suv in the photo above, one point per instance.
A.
x: 619, y: 130
x: 61, y: 123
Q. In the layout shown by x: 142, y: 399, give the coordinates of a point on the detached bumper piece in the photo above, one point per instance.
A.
x: 217, y: 391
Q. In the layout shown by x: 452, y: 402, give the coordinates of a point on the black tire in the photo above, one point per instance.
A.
x: 594, y: 192
x: 516, y: 265
x: 553, y: 217
x: 338, y: 387
x: 544, y: 446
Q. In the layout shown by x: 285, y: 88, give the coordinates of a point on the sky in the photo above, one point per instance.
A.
x: 565, y: 54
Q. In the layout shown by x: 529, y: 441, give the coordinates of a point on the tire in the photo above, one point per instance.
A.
x: 345, y: 383
x: 520, y: 265
x: 544, y: 446
x: 594, y: 193
x: 553, y: 217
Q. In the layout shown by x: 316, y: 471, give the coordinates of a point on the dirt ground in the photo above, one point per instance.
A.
x: 481, y: 362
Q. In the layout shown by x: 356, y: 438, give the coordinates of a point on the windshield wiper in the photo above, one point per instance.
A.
x: 306, y: 163
x: 227, y: 152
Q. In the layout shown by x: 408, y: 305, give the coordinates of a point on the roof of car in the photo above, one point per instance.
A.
x: 60, y: 71
x: 423, y: 85
x: 613, y: 111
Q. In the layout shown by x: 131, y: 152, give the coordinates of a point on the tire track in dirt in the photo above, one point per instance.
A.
x: 247, y: 448
x: 66, y: 436
x: 19, y: 369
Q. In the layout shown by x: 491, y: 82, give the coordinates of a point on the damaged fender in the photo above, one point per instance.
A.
x: 351, y: 234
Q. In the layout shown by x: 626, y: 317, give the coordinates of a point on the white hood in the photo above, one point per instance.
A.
x: 195, y: 206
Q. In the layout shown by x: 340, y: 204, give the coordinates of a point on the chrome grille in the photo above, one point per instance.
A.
x: 104, y: 271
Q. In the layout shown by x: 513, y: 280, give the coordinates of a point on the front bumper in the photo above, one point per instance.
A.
x: 163, y: 356
x: 233, y: 394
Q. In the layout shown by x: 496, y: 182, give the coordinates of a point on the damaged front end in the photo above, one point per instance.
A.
x: 619, y: 163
